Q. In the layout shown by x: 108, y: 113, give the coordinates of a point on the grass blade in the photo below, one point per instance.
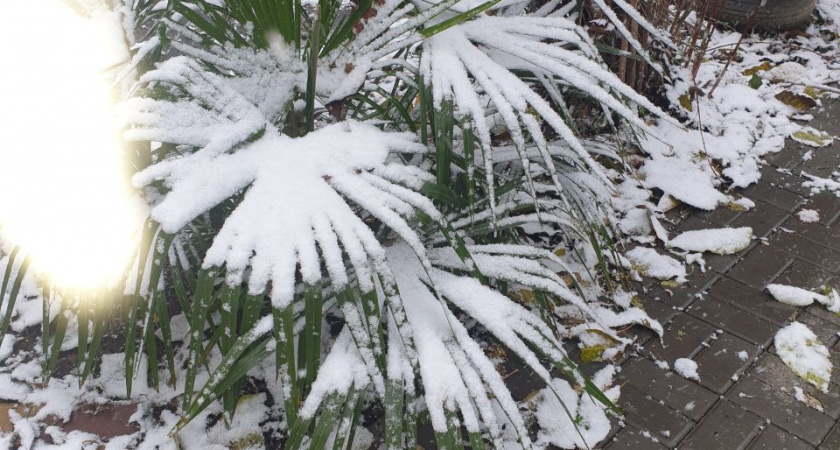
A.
x: 10, y: 306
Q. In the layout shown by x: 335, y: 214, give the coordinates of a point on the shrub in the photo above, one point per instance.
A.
x: 373, y: 167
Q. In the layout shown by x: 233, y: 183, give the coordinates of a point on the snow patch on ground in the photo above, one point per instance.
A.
x: 648, y: 261
x: 686, y: 368
x: 588, y: 423
x: 808, y: 216
x: 802, y: 351
x: 795, y: 296
x: 807, y: 399
x: 723, y: 241
x: 812, y: 137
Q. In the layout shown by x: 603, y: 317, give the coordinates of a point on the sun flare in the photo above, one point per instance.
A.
x: 63, y: 195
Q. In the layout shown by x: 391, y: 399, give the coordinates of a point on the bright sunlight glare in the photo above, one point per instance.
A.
x: 63, y: 196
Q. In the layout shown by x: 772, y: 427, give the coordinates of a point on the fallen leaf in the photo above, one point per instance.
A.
x: 763, y: 67
x: 813, y: 93
x: 812, y: 137
x: 797, y: 101
x: 685, y: 102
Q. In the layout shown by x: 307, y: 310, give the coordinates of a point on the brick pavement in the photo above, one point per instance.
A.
x: 742, y: 403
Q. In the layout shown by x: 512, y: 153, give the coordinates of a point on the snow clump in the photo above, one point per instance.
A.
x: 560, y: 401
x: 808, y: 216
x: 686, y: 368
x: 723, y: 241
x: 795, y: 296
x: 800, y: 349
x: 648, y: 262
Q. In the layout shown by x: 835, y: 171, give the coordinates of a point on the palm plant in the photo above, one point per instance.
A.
x: 376, y: 162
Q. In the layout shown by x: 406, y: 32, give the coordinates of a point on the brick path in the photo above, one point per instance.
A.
x: 742, y: 404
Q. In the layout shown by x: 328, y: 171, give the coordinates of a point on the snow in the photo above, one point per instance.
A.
x: 801, y: 396
x: 822, y: 184
x: 723, y: 241
x: 743, y: 356
x: 648, y: 261
x: 686, y: 368
x: 802, y: 351
x: 808, y: 216
x: 456, y: 374
x: 795, y: 296
x: 570, y: 420
x: 682, y: 180
x: 310, y: 175
x: 8, y: 346
x: 789, y: 71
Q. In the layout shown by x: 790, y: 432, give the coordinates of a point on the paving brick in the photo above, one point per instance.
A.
x: 720, y: 361
x: 701, y: 221
x: 775, y: 438
x: 781, y: 408
x: 682, y: 339
x: 734, y: 320
x: 630, y: 438
x: 819, y: 233
x: 720, y: 216
x: 834, y: 356
x: 790, y: 157
x: 722, y: 263
x: 752, y: 300
x: 647, y: 414
x: 760, y: 266
x: 822, y: 163
x: 826, y: 118
x: 774, y: 195
x: 807, y: 250
x: 103, y: 420
x: 826, y: 203
x: 640, y: 334
x: 825, y: 331
x: 683, y: 295
x: 763, y: 219
x: 678, y: 213
x: 785, y: 180
x: 727, y: 426
x: 834, y: 223
x: 820, y: 311
x: 804, y: 275
x: 773, y: 371
x: 673, y: 390
x: 832, y: 441
x: 657, y: 309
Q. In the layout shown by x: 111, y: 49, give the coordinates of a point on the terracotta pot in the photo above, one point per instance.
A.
x: 775, y: 14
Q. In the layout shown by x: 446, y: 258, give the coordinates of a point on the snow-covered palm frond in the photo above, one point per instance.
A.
x: 460, y: 383
x: 475, y: 64
x: 230, y: 148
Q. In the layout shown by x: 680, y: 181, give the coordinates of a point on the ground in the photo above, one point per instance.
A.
x: 742, y: 401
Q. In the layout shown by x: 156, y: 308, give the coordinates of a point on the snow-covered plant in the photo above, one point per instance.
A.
x: 385, y: 168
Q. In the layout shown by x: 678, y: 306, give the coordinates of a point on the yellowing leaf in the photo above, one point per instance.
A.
x: 592, y: 354
x: 813, y: 93
x: 735, y: 206
x: 685, y: 102
x: 812, y: 137
x: 797, y: 101
x: 763, y: 67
